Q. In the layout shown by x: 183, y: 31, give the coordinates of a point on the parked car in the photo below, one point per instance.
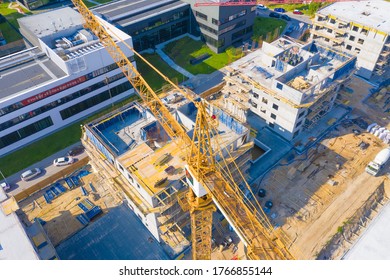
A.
x: 261, y: 7
x: 289, y: 29
x: 285, y: 17
x: 5, y: 186
x: 273, y: 14
x: 75, y: 151
x: 63, y: 161
x: 29, y: 174
x: 297, y: 12
x: 279, y: 10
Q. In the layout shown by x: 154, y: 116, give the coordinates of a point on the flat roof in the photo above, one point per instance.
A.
x: 368, y: 13
x: 150, y: 13
x: 26, y: 70
x: 14, y: 242
x: 120, y: 9
x: 374, y: 243
x: 49, y: 23
x: 118, y: 235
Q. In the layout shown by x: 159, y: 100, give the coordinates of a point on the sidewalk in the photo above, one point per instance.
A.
x: 169, y: 61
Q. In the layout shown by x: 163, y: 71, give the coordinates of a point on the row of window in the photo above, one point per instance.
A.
x: 222, y: 31
x: 242, y: 32
x: 162, y: 21
x: 216, y: 43
x: 38, y: 97
x: 90, y: 102
x: 201, y: 15
x: 25, y: 132
x: 59, y: 102
x: 230, y: 18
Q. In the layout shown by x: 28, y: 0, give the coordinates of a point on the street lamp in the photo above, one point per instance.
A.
x: 5, y: 180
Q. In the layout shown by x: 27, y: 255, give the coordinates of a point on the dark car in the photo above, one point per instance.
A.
x: 75, y: 151
x: 285, y: 17
x: 280, y: 10
x: 275, y: 15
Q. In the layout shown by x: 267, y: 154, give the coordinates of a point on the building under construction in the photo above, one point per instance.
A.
x: 131, y: 150
x: 291, y: 86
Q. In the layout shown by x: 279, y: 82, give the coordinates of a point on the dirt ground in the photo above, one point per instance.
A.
x: 60, y: 214
x: 318, y: 192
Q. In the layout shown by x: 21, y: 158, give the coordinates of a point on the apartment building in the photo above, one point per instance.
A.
x: 291, y: 86
x: 359, y: 28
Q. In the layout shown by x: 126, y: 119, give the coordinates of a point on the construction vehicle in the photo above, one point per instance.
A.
x: 210, y: 181
x: 379, y: 161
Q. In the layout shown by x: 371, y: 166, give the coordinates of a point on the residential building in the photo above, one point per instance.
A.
x: 359, y: 28
x: 66, y: 75
x: 291, y: 86
x: 131, y: 150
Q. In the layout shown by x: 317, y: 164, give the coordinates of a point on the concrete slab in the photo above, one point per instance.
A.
x: 119, y: 235
x: 374, y: 244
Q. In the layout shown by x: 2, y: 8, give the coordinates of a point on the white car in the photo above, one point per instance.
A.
x: 63, y: 161
x: 261, y: 7
x: 5, y: 186
x: 29, y: 174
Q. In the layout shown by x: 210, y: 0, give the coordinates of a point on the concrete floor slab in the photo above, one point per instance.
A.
x: 119, y: 235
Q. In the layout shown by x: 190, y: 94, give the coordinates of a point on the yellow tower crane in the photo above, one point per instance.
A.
x: 210, y: 181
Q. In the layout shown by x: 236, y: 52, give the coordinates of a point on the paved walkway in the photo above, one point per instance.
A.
x: 169, y: 61
x: 47, y: 167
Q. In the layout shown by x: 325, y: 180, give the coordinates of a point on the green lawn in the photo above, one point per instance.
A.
x: 184, y: 49
x: 264, y: 25
x: 11, y: 15
x: 154, y: 79
x: 307, y: 9
x: 51, y: 144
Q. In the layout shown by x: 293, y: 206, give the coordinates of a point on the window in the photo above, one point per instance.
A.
x: 327, y: 40
x: 271, y: 125
x: 138, y: 186
x: 364, y: 31
x: 296, y: 133
x: 279, y: 86
x: 357, y: 50
x: 207, y: 28
x: 298, y: 124
x: 355, y: 28
x: 274, y: 106
x: 215, y: 21
x: 352, y: 38
x: 254, y: 104
x: 24, y: 132
x: 264, y: 100
x: 349, y: 47
x: 273, y: 116
x: 216, y: 43
x: 130, y: 178
x: 332, y: 21
x: 263, y: 110
x: 360, y: 41
x: 200, y: 15
x: 255, y: 95
x: 329, y: 30
x: 94, y: 100
x: 121, y: 167
x: 301, y: 114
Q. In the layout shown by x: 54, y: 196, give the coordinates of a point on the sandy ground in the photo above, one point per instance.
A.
x: 60, y: 214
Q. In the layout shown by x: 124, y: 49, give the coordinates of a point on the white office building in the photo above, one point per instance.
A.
x: 360, y: 28
x: 65, y: 75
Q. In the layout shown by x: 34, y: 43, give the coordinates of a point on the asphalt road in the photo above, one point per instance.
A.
x: 47, y: 167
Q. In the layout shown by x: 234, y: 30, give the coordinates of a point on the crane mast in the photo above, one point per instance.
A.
x: 214, y: 181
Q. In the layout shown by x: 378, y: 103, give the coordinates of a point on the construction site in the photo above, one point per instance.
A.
x: 186, y: 176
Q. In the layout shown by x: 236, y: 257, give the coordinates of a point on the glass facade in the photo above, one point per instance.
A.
x: 59, y: 102
x: 25, y: 132
x: 97, y: 99
x: 40, y: 96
